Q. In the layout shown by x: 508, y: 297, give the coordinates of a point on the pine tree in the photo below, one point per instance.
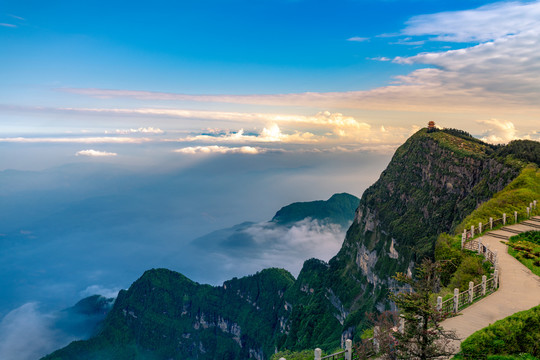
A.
x: 422, y: 336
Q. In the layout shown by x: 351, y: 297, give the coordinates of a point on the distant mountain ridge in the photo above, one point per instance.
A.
x: 434, y: 180
x: 338, y: 210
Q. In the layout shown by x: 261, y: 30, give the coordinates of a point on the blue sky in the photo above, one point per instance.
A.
x: 314, y: 74
x: 209, y: 46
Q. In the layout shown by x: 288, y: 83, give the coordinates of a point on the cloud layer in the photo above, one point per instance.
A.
x: 214, y: 149
x: 267, y: 244
x: 27, y: 334
x: 95, y: 153
x: 486, y: 23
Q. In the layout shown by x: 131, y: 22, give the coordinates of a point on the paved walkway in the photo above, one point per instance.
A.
x: 519, y: 289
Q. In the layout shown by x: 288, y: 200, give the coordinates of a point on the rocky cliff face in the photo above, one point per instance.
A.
x: 164, y: 315
x: 433, y: 181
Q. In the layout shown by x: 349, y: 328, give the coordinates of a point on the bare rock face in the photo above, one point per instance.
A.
x: 366, y: 261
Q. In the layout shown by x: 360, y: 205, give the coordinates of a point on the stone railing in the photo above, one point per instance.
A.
x: 345, y: 354
x: 461, y: 300
x: 482, y: 249
x: 469, y: 234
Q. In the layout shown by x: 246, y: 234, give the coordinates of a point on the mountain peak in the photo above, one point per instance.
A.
x: 337, y: 209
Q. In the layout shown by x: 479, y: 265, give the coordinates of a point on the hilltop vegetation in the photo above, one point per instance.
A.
x: 524, y: 189
x: 337, y: 209
x: 164, y: 315
x: 526, y: 248
x: 461, y: 267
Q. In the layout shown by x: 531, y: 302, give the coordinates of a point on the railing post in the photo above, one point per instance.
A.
x: 504, y: 218
x: 439, y: 303
x: 463, y: 236
x: 495, y: 279
x: 348, y: 349
x: 376, y: 344
x: 318, y: 354
x: 456, y: 300
x: 472, y: 231
x: 495, y: 259
x: 486, y: 250
x: 282, y: 359
x: 484, y: 284
x: 534, y: 203
x: 480, y: 227
x: 401, y: 325
x: 515, y: 216
x: 480, y: 245
x: 490, y: 223
x: 528, y: 212
x: 471, y: 291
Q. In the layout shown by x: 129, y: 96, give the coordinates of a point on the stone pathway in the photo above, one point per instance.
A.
x: 519, y: 288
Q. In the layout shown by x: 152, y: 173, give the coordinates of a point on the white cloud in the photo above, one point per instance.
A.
x: 408, y: 41
x: 143, y: 130
x: 321, y: 118
x: 380, y: 58
x: 96, y: 153
x: 498, y: 131
x: 77, y: 140
x: 358, y: 39
x: 269, y: 134
x: 331, y: 127
x: 336, y: 123
x: 214, y: 149
x: 8, y: 25
x: 16, y: 17
x: 274, y: 245
x: 486, y: 23
x: 100, y: 290
x: 27, y: 334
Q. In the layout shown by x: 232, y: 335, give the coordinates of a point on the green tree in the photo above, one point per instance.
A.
x: 422, y: 336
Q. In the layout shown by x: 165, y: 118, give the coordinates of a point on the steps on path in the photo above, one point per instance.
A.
x: 519, y: 288
x: 534, y: 224
x: 499, y: 236
x: 515, y: 231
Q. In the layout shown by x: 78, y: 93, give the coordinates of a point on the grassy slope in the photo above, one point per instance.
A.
x: 462, y: 267
x: 526, y: 248
x: 516, y: 334
x: 515, y: 197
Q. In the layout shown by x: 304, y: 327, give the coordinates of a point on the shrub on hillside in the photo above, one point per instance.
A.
x: 516, y: 334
